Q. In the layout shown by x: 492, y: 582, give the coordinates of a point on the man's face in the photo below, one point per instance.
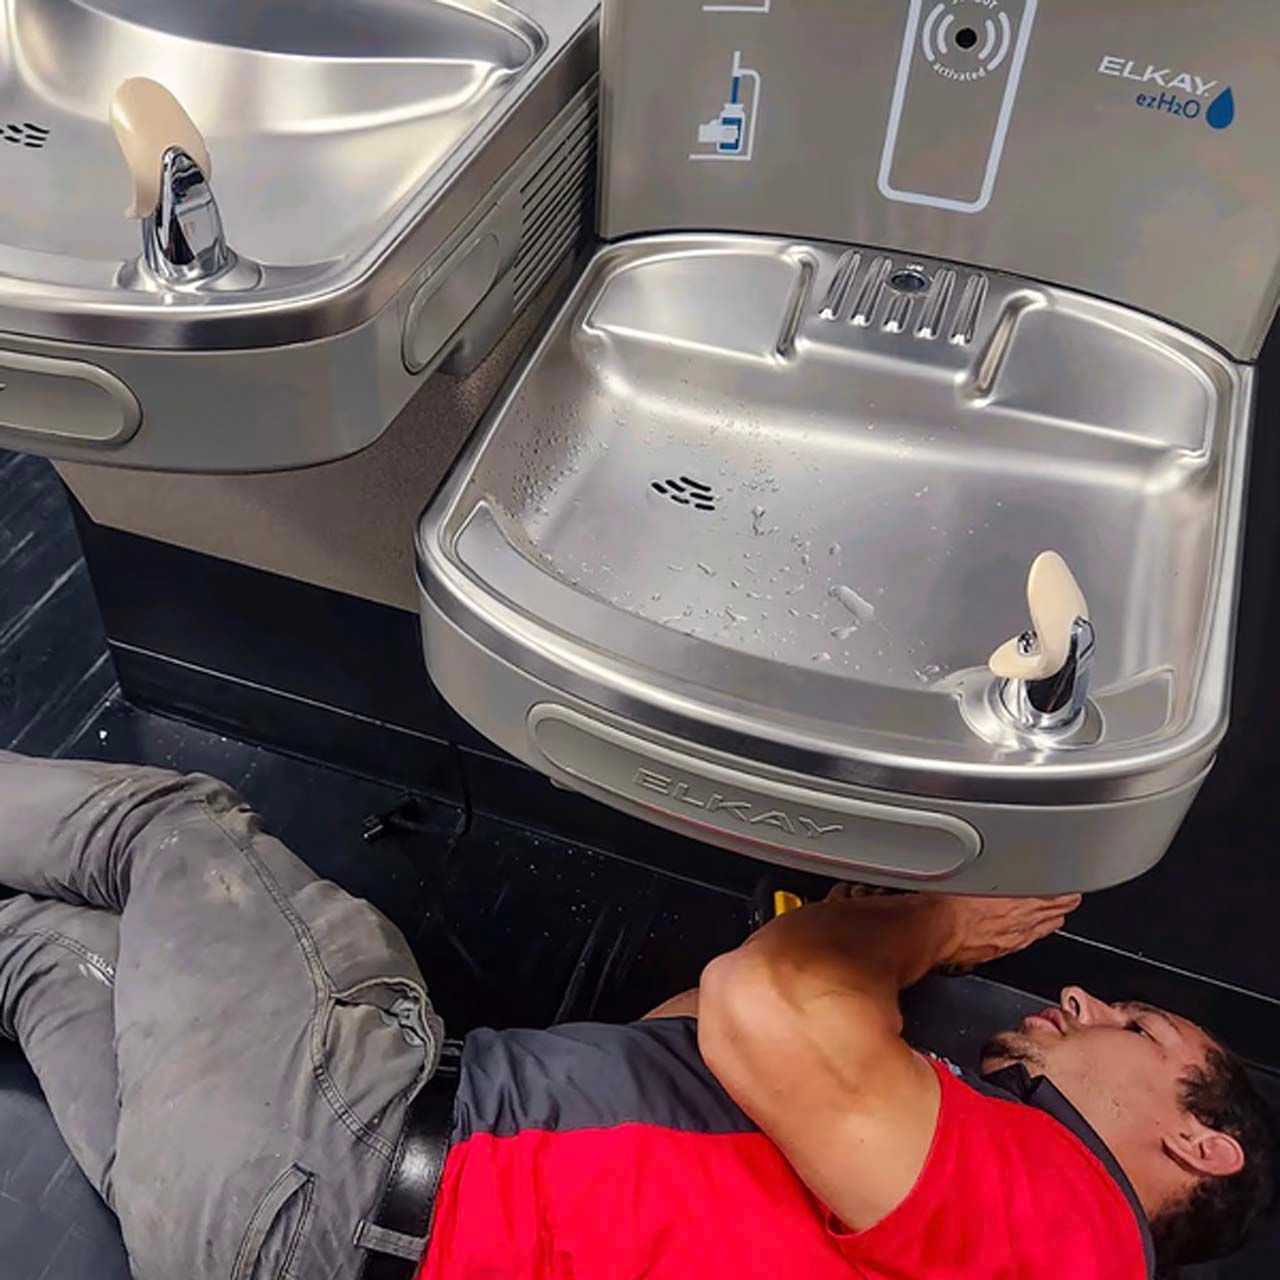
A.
x: 1121, y: 1065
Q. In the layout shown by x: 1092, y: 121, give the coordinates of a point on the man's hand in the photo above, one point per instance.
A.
x: 983, y: 929
x: 972, y: 931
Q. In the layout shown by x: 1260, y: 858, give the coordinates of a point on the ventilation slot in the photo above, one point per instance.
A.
x: 25, y: 134
x: 557, y: 204
x: 686, y: 492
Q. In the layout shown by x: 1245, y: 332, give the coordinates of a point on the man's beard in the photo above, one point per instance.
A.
x: 1007, y: 1048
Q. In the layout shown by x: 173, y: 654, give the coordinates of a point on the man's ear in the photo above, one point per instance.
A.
x: 1205, y: 1151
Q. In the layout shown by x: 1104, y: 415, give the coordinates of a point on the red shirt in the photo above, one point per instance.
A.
x: 610, y: 1153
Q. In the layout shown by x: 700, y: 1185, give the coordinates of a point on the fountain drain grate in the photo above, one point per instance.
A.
x: 686, y: 492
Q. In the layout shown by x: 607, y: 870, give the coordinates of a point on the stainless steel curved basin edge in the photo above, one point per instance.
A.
x: 769, y: 505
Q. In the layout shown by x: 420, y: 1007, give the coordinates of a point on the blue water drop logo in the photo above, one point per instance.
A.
x: 1222, y: 110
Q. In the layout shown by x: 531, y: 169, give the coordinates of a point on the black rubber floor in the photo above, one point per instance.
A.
x: 590, y: 934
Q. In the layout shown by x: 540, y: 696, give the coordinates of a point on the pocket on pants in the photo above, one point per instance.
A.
x: 277, y: 1228
x: 376, y: 1036
x: 378, y: 1046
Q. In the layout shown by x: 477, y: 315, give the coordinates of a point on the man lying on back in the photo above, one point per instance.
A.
x: 244, y: 1061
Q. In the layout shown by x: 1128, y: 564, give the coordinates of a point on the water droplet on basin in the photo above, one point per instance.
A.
x: 1222, y: 110
x: 833, y: 549
x: 861, y: 609
x: 707, y: 569
x: 824, y: 656
x: 843, y: 633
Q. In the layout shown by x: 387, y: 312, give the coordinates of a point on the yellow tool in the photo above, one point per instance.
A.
x: 783, y: 902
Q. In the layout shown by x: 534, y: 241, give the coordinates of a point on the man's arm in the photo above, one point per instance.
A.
x: 802, y: 1026
x: 685, y: 1005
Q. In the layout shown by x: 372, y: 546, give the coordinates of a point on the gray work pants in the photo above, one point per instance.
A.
x: 228, y: 1044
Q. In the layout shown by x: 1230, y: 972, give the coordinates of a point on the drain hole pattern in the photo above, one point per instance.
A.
x: 686, y: 492
x: 25, y: 134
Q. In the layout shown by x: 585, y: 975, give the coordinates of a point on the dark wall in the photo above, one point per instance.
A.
x: 1213, y: 904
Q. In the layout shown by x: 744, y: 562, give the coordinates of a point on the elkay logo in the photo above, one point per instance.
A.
x: 1219, y: 114
x: 743, y: 810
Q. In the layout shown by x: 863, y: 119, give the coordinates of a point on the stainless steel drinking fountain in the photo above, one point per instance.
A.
x: 339, y: 197
x: 894, y: 298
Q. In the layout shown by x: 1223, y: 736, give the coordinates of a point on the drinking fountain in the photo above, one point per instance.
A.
x: 183, y: 241
x: 394, y: 184
x: 966, y: 332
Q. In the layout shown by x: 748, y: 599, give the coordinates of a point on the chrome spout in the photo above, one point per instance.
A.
x: 1044, y: 672
x: 182, y: 239
x: 1056, y: 702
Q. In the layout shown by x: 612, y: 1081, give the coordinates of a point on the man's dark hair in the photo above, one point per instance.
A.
x: 1221, y: 1212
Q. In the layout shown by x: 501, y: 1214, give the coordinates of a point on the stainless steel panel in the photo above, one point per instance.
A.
x: 43, y: 398
x: 832, y: 834
x: 448, y: 297
x: 236, y: 411
x: 1126, y: 150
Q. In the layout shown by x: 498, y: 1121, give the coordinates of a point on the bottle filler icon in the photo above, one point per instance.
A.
x: 731, y: 135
